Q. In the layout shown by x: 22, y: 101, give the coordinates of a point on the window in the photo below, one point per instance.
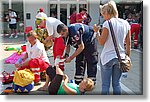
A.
x: 53, y: 10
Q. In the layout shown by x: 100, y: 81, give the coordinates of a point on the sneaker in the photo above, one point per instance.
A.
x: 11, y: 36
x: 16, y: 36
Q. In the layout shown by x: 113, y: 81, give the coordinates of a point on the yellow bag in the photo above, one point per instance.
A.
x: 23, y: 77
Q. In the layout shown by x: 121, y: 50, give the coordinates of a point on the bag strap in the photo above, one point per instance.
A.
x: 114, y: 40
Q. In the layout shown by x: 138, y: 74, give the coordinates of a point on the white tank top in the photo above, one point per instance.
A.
x: 121, y: 28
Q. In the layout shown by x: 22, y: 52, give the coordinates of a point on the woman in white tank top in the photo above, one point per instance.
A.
x: 109, y: 62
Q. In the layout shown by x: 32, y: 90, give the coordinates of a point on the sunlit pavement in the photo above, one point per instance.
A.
x: 133, y: 84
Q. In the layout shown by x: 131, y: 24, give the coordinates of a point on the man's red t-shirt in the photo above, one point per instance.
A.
x: 73, y: 18
x: 79, y: 17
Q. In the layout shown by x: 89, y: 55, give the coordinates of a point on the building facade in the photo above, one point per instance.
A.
x: 61, y: 9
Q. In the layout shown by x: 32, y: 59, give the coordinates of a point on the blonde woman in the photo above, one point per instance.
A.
x: 60, y: 85
x: 109, y: 61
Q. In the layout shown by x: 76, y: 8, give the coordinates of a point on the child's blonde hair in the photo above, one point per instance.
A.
x: 89, y: 84
x: 109, y: 8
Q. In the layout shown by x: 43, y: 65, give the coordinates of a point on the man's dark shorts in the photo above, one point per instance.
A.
x: 13, y: 26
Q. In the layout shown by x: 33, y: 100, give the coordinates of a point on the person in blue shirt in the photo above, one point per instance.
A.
x: 82, y: 38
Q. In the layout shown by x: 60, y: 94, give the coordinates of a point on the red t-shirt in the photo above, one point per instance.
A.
x: 73, y: 18
x: 80, y: 16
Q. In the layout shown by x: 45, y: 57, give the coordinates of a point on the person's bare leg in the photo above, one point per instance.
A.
x: 11, y: 33
x: 58, y: 70
x: 15, y: 32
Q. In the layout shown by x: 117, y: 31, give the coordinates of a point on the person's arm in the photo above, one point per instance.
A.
x: 77, y: 52
x: 19, y: 65
x: 25, y: 56
x: 67, y: 89
x: 25, y: 63
x: 128, y: 43
x: 47, y: 39
x: 103, y: 37
x: 14, y: 15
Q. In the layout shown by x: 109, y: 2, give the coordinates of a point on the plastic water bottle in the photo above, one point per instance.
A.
x: 125, y: 75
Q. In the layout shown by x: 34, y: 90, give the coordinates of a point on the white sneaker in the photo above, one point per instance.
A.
x: 11, y: 36
x: 16, y: 36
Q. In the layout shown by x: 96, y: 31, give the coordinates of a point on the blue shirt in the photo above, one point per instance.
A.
x: 79, y: 32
